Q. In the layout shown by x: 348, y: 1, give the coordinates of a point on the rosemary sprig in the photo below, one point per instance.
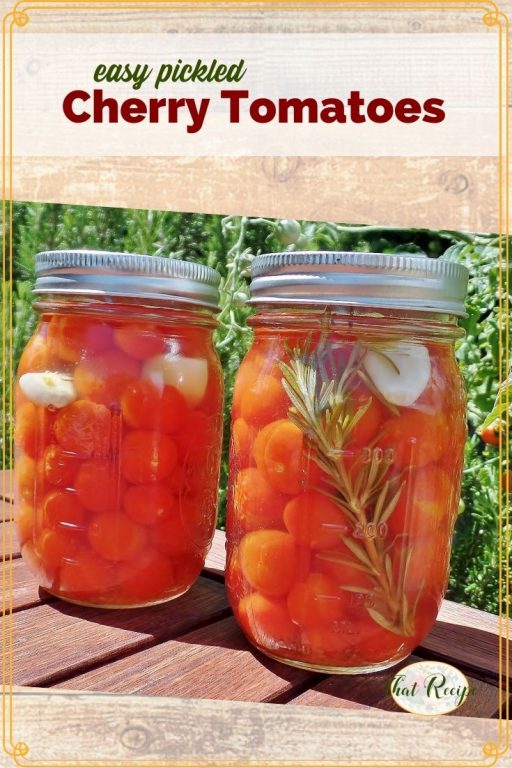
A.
x: 323, y: 410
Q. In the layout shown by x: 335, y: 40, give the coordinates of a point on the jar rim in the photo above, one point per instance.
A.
x: 352, y: 278
x: 103, y: 273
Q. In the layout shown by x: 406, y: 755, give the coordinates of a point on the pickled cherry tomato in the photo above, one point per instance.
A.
x: 424, y: 502
x: 115, y: 536
x: 98, y: 486
x: 59, y: 466
x: 242, y: 436
x: 86, y: 575
x: 316, y: 521
x: 36, y: 357
x: 370, y: 424
x: 55, y: 546
x: 266, y: 619
x: 317, y: 600
x: 256, y: 502
x: 416, y: 438
x: 84, y: 428
x: 377, y: 644
x: 25, y: 477
x: 144, y: 406
x: 263, y: 401
x: 282, y: 457
x: 269, y: 560
x: 148, y: 577
x: 24, y: 521
x: 62, y: 508
x: 139, y: 340
x: 245, y: 377
x: 147, y: 457
x: 147, y: 504
x: 104, y: 377
x: 25, y: 433
x: 343, y: 573
x: 171, y: 537
x: 69, y: 336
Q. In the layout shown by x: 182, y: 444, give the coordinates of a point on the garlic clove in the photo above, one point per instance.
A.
x: 399, y: 371
x: 189, y: 375
x: 48, y: 388
x: 153, y: 369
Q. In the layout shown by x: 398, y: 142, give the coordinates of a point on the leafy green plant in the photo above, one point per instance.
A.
x: 229, y: 244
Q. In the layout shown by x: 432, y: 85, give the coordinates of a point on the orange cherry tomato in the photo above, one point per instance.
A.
x: 84, y: 428
x: 147, y: 504
x: 263, y: 401
x: 24, y: 521
x: 178, y: 481
x: 333, y: 644
x: 234, y: 577
x: 245, y: 377
x: 25, y: 470
x: 170, y: 536
x: 145, y: 407
x: 369, y: 425
x: 416, y: 438
x: 147, y: 457
x: 59, y: 466
x: 70, y: 336
x: 269, y: 560
x: 139, y: 340
x: 115, y: 536
x: 55, y: 546
x: 36, y: 357
x: 98, y: 486
x: 256, y: 503
x: 150, y: 576
x: 242, y: 436
x: 26, y: 429
x: 62, y: 509
x: 44, y: 574
x: 425, y: 503
x: 86, y: 576
x: 316, y: 521
x: 376, y: 644
x: 266, y: 620
x: 344, y: 574
x: 283, y: 458
x: 317, y: 600
x: 103, y: 378
x: 195, y: 439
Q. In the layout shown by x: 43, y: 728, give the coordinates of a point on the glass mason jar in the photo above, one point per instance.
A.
x: 348, y: 431
x: 118, y: 427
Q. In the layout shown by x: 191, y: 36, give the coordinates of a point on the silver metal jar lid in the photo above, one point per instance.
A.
x: 380, y: 280
x: 103, y: 273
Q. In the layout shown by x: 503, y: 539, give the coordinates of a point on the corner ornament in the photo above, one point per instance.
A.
x: 491, y: 15
x: 19, y: 16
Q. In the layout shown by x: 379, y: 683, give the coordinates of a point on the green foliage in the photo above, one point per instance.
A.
x: 229, y: 244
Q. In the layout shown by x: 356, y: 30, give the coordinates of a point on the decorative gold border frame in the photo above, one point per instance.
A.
x: 492, y: 17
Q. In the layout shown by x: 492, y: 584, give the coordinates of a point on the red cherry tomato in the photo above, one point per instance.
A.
x: 491, y: 434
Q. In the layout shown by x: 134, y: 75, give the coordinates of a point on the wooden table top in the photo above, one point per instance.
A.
x: 193, y: 648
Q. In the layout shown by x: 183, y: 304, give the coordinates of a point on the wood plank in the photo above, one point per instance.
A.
x: 469, y: 647
x: 25, y: 592
x: 372, y: 690
x: 215, y: 563
x: 59, y: 639
x: 214, y: 662
x: 123, y: 730
x: 8, y: 540
x: 436, y: 192
x: 7, y: 484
